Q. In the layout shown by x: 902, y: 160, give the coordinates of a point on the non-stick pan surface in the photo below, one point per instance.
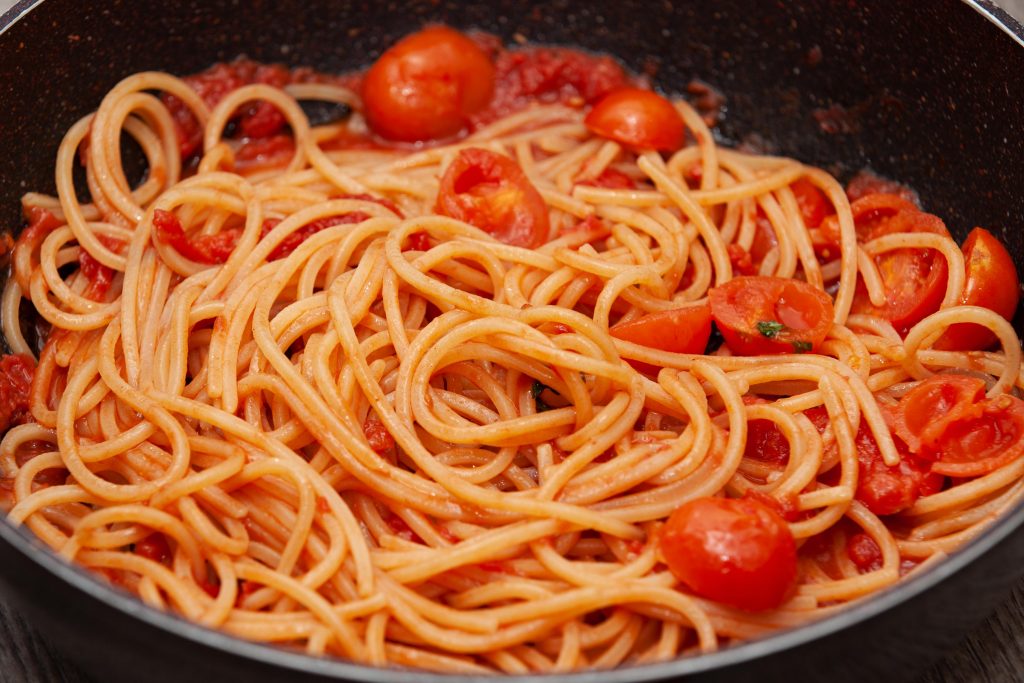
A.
x: 929, y: 93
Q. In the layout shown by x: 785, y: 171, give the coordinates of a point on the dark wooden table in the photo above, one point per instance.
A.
x: 994, y: 652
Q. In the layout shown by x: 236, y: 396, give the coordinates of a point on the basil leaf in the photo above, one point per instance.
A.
x: 770, y: 328
x: 536, y: 389
x: 802, y: 346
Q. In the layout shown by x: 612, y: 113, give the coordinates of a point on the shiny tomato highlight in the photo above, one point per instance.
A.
x: 637, y: 118
x: 427, y: 86
x: 738, y: 552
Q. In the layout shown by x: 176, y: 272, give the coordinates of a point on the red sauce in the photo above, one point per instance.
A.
x: 864, y: 552
x: 15, y: 382
x: 377, y: 435
x: 549, y: 75
x: 525, y: 76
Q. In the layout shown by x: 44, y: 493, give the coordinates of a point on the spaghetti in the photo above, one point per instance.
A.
x: 306, y: 402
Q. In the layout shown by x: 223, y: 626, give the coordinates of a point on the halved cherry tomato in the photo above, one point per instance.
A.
x: 637, y: 118
x: 866, y: 183
x: 427, y: 86
x: 681, y: 330
x: 948, y: 420
x: 914, y: 279
x: 975, y: 446
x: 814, y: 205
x: 738, y: 552
x: 491, y: 192
x: 926, y: 410
x: 868, y: 212
x: 770, y: 315
x: 991, y: 282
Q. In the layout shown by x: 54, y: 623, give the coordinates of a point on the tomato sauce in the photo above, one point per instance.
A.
x: 16, y: 371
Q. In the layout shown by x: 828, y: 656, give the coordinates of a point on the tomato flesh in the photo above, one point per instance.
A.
x: 992, y: 283
x: 16, y: 372
x: 771, y: 315
x: 949, y: 420
x: 427, y: 86
x: 491, y: 192
x: 738, y: 552
x: 914, y: 280
x: 814, y: 205
x: 681, y: 330
x: 637, y: 118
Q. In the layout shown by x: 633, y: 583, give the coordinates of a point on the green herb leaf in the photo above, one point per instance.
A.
x: 802, y: 346
x: 536, y: 389
x: 770, y: 328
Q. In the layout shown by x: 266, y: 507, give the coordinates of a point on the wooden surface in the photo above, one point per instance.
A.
x: 993, y: 652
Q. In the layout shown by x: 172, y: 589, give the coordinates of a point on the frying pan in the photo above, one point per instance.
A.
x: 928, y: 93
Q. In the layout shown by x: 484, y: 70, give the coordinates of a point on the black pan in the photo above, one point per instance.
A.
x: 929, y: 93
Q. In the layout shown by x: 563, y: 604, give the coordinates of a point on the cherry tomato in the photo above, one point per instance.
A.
x: 991, y: 282
x: 612, y: 179
x: 814, y: 205
x: 868, y: 213
x: 771, y: 315
x: 977, y: 445
x: 491, y: 192
x: 681, y: 330
x: 926, y: 410
x: 914, y: 279
x: 427, y: 86
x: 637, y: 118
x: 738, y: 552
x: 948, y: 419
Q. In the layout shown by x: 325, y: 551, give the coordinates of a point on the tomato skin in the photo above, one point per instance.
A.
x: 427, y: 86
x: 735, y: 551
x: 681, y: 330
x: 814, y: 205
x: 992, y: 283
x: 929, y: 408
x: 975, y: 446
x: 914, y: 279
x: 948, y: 420
x: 491, y: 192
x: 771, y: 315
x: 637, y: 118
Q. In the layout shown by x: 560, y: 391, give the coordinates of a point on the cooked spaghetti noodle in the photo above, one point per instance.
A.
x: 399, y: 440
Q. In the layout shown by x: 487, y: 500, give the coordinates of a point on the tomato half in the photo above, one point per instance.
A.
x: 682, y: 330
x: 991, y: 282
x: 427, y: 86
x: 738, y: 552
x: 948, y: 419
x: 491, y: 192
x: 975, y: 446
x: 926, y: 410
x: 814, y: 205
x: 914, y: 279
x: 771, y: 315
x: 637, y: 118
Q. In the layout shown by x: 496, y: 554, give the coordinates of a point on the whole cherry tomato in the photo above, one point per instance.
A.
x: 427, y: 86
x: 738, y: 552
